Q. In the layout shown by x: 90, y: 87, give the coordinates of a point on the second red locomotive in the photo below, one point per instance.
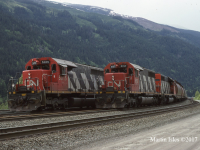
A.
x: 129, y: 85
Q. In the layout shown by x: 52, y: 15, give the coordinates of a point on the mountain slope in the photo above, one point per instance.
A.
x: 192, y: 37
x: 29, y: 29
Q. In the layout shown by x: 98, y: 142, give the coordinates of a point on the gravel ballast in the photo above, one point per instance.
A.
x: 73, y: 138
x: 43, y: 120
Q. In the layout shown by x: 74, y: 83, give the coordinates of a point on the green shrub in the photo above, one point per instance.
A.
x: 197, y: 95
x: 4, y: 106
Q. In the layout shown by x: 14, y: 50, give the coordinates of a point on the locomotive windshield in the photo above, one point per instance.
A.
x: 44, y: 67
x: 119, y: 68
x: 122, y: 70
x: 44, y: 64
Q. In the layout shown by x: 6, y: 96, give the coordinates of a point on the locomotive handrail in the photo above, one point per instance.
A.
x: 15, y: 82
x: 47, y: 82
x: 31, y: 79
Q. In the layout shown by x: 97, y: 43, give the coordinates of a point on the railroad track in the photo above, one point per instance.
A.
x: 17, y: 132
x: 10, y: 116
x: 18, y: 116
x: 53, y: 114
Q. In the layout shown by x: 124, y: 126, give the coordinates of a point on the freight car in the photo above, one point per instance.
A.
x: 54, y: 83
x: 130, y: 85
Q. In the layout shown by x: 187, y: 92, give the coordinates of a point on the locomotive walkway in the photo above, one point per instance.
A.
x: 8, y: 133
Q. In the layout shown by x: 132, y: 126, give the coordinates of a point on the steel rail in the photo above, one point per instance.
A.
x: 34, y: 116
x: 8, y: 133
x: 17, y: 117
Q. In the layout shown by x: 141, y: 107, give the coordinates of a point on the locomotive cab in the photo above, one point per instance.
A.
x: 120, y: 77
x: 54, y: 83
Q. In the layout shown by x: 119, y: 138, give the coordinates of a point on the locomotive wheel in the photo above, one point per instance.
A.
x: 39, y: 109
x: 55, y: 104
x: 127, y: 105
x: 65, y: 103
x: 164, y: 101
x: 134, y: 105
x: 137, y: 104
x: 93, y: 106
x: 53, y: 107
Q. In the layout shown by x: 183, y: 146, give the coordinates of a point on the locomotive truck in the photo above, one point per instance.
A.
x: 130, y: 85
x: 54, y: 83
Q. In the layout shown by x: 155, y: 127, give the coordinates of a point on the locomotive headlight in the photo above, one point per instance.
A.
x: 29, y: 75
x: 113, y: 78
x: 13, y: 85
x: 100, y: 86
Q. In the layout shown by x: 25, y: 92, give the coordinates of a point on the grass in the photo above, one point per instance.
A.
x: 4, y: 106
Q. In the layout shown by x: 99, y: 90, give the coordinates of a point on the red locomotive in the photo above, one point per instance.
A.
x: 129, y: 85
x: 54, y: 83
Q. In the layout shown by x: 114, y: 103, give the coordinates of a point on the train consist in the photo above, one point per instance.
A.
x: 54, y: 83
x: 129, y: 85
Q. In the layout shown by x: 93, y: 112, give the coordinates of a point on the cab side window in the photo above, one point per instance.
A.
x: 53, y: 68
x: 28, y: 68
x: 136, y: 73
x: 106, y: 71
x: 130, y: 71
x: 62, y: 70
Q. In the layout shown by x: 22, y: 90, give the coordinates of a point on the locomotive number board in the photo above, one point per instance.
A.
x: 113, y: 66
x: 123, y: 66
x: 34, y: 63
x: 45, y: 62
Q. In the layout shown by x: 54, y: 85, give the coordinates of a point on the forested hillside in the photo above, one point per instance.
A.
x: 28, y: 29
x: 192, y: 37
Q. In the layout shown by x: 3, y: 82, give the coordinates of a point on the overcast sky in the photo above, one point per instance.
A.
x: 179, y: 13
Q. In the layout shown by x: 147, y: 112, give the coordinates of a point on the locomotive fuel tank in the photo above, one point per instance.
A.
x: 147, y: 100
x: 170, y: 100
x: 81, y: 102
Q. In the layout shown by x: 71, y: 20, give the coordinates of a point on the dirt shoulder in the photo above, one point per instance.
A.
x: 183, y: 134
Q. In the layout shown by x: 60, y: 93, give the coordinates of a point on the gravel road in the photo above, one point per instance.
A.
x: 180, y: 135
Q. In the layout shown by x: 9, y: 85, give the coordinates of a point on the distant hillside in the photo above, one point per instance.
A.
x: 193, y: 37
x: 29, y: 29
